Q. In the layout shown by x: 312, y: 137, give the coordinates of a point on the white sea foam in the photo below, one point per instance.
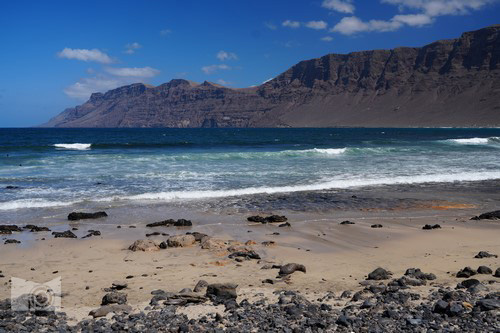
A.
x: 32, y: 203
x: 330, y: 151
x: 476, y: 141
x: 73, y: 146
x: 332, y: 184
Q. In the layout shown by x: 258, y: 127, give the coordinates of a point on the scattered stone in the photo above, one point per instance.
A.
x: 171, y: 222
x: 379, y: 274
x: 119, y: 285
x: 268, y: 219
x: 114, y: 297
x: 495, y: 215
x: 484, y: 254
x: 145, y: 245
x: 347, y: 222
x: 418, y: 274
x: 286, y: 224
x: 64, y: 234
x: 34, y: 228
x: 156, y: 233
x: 181, y: 241
x: 92, y: 233
x: 74, y: 216
x: 269, y: 243
x: 376, y: 226
x: 9, y: 228
x: 429, y: 227
x: 466, y: 272
x: 12, y: 241
x: 484, y: 270
x: 291, y: 268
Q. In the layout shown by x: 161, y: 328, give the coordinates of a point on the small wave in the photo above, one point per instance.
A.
x: 73, y: 146
x: 32, y: 203
x: 332, y: 184
x: 476, y: 141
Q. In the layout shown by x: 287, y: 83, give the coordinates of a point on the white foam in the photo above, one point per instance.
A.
x: 332, y: 184
x: 475, y: 141
x: 32, y: 203
x: 330, y: 151
x: 73, y: 146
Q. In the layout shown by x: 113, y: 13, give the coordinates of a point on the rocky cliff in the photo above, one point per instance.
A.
x: 447, y: 83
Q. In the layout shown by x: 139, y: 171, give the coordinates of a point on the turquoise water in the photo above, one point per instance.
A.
x: 60, y: 167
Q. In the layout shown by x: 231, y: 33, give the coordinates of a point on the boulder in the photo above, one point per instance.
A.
x: 429, y: 227
x: 114, y: 297
x: 221, y: 292
x: 376, y: 226
x: 209, y: 243
x: 181, y: 241
x: 488, y: 304
x: 268, y: 219
x: 379, y: 274
x: 495, y: 215
x: 145, y: 245
x: 34, y: 228
x: 497, y: 273
x: 9, y: 228
x: 74, y: 216
x: 12, y: 241
x: 114, y: 308
x: 484, y: 254
x: 346, y: 222
x: 64, y: 234
x: 466, y: 272
x: 291, y: 268
x: 418, y: 274
x: 484, y: 270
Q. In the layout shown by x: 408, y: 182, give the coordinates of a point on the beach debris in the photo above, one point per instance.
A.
x: 114, y: 308
x: 466, y: 272
x: 495, y: 215
x: 291, y: 268
x: 144, y: 245
x: 64, y: 234
x: 75, y: 216
x: 181, y: 240
x: 418, y: 274
x: 92, y: 233
x: 484, y: 270
x: 35, y: 228
x: 376, y: 226
x: 346, y: 222
x: 484, y: 254
x: 12, y: 241
x: 114, y: 297
x: 430, y: 227
x: 379, y: 274
x: 268, y: 219
x: 170, y: 222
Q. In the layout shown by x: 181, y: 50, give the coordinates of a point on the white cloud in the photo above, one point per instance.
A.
x: 223, y: 55
x: 441, y: 7
x: 165, y: 32
x: 342, y: 6
x: 353, y: 25
x: 86, y: 86
x: 270, y: 25
x: 327, y: 39
x: 143, y: 72
x: 214, y: 68
x: 291, y: 24
x: 132, y: 47
x: 224, y: 82
x: 317, y: 25
x: 414, y: 20
x: 85, y: 55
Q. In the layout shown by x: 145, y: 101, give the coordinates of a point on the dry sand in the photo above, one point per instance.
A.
x: 337, y: 257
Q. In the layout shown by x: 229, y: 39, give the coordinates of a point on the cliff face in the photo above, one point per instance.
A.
x: 446, y: 83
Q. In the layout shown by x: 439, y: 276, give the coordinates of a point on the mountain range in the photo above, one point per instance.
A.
x: 453, y: 82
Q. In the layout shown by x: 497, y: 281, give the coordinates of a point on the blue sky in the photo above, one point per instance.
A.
x: 55, y: 53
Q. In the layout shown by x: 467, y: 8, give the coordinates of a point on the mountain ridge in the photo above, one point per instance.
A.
x: 451, y: 82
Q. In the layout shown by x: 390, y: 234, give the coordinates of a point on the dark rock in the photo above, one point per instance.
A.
x: 10, y: 187
x: 286, y: 224
x: 163, y: 245
x: 245, y: 254
x: 198, y: 236
x: 170, y: 222
x: 486, y: 304
x: 484, y: 254
x: 291, y: 268
x: 221, y: 292
x: 484, y: 270
x: 497, y: 273
x: 418, y: 274
x: 346, y: 222
x: 9, y: 228
x: 34, y: 228
x: 268, y: 219
x: 92, y: 233
x: 429, y: 227
x: 379, y: 274
x: 12, y: 241
x: 114, y: 298
x: 74, y: 216
x: 64, y: 234
x: 469, y: 283
x: 377, y: 226
x: 495, y: 215
x: 117, y: 285
x: 466, y: 272
x: 156, y: 233
x: 115, y: 308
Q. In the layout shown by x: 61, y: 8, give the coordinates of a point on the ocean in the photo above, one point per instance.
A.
x: 53, y: 168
